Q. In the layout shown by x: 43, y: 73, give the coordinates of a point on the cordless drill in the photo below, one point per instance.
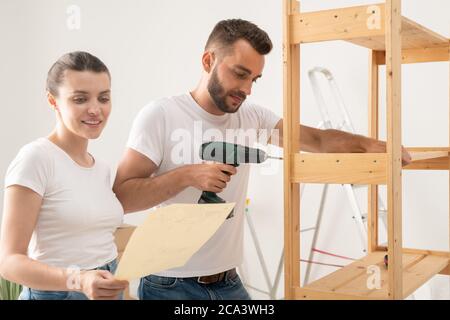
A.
x: 231, y: 154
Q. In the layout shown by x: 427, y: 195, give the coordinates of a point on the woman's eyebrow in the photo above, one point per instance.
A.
x: 85, y: 92
x: 80, y: 92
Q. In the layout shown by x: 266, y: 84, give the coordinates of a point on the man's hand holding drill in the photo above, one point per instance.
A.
x: 210, y: 176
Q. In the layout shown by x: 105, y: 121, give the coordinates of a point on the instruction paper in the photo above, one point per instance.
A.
x: 169, y: 237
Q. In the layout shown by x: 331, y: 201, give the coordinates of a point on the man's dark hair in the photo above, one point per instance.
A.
x: 77, y: 61
x: 227, y: 32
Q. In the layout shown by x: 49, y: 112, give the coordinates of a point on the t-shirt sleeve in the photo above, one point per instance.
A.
x: 30, y: 168
x: 148, y: 132
x: 267, y: 120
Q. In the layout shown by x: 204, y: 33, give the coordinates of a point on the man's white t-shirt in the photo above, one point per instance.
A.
x: 170, y: 132
x: 79, y: 212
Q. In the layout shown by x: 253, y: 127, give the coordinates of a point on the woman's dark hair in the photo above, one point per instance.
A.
x: 77, y: 61
x: 227, y: 32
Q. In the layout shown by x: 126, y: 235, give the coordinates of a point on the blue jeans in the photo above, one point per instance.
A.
x: 32, y: 294
x: 166, y: 288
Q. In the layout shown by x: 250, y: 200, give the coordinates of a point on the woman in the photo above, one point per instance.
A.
x: 59, y: 205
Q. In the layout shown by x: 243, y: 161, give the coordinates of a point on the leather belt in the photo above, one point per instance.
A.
x: 214, y: 278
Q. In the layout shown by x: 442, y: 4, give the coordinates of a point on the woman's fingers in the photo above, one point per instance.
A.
x: 107, y: 281
x: 107, y: 294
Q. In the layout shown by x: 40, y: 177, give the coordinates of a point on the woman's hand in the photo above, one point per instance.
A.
x: 101, y: 285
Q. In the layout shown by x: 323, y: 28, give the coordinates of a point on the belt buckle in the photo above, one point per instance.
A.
x: 200, y: 281
x: 218, y: 277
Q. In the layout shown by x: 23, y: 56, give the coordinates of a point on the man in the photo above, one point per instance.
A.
x: 152, y: 171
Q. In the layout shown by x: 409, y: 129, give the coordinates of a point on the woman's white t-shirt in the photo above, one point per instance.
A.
x: 79, y: 212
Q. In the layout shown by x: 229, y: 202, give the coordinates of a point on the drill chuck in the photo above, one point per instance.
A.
x: 232, y: 154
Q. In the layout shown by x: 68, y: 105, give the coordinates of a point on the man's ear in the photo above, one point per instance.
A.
x: 51, y: 100
x: 208, y: 60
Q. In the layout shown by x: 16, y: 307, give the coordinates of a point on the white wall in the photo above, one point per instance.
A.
x: 153, y: 49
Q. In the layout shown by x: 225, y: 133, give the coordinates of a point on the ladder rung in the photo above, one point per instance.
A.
x: 359, y: 186
x: 381, y: 213
x: 307, y: 229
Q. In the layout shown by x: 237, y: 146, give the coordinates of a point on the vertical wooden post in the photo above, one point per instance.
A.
x: 291, y: 88
x: 372, y: 215
x: 394, y: 187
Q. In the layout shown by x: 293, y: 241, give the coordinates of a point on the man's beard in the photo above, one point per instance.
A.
x: 218, y: 94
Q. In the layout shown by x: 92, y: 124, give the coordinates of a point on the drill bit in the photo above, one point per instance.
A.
x: 276, y: 158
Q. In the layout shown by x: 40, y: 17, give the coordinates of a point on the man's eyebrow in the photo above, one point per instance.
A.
x: 241, y: 67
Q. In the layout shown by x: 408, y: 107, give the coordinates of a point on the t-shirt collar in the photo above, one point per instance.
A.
x: 209, y: 116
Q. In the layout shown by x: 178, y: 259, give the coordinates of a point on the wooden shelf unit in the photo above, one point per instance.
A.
x: 350, y: 282
x: 392, y: 40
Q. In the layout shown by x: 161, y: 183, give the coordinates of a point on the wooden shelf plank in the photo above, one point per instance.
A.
x: 360, y: 168
x: 335, y: 24
x: 312, y: 294
x: 428, y: 159
x: 445, y: 271
x: 340, y: 168
x: 416, y: 156
x: 435, y: 54
x: 352, y: 24
x: 352, y: 279
x: 414, y: 36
